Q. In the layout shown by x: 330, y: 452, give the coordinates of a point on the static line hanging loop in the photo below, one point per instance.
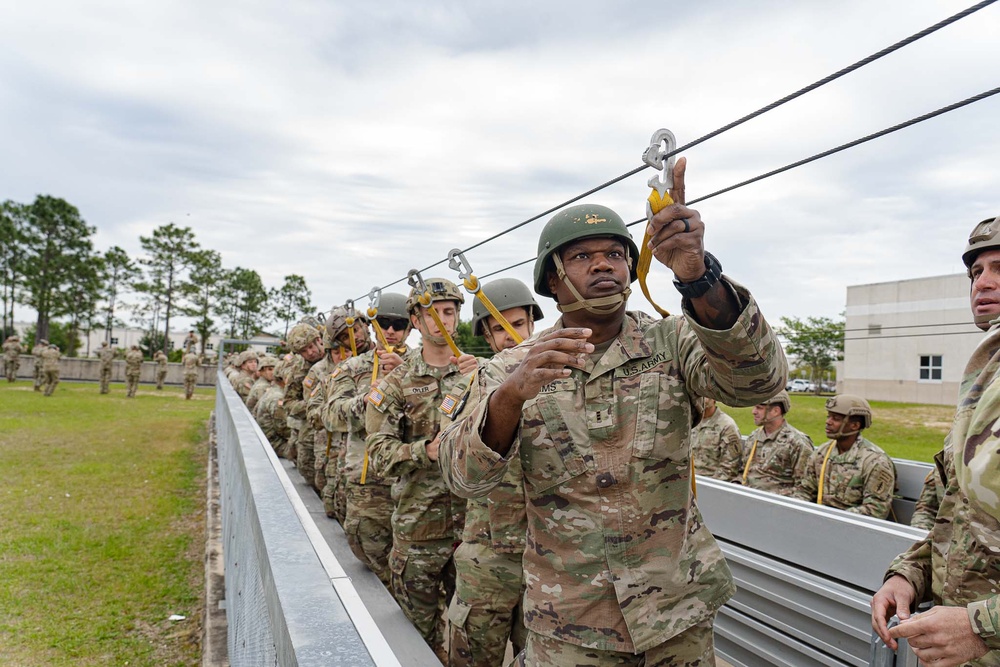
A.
x: 425, y: 299
x: 659, y: 155
x: 457, y: 261
x: 374, y: 299
x: 349, y: 305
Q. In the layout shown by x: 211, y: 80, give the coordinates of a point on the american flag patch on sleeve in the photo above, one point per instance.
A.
x: 375, y: 397
x: 448, y: 404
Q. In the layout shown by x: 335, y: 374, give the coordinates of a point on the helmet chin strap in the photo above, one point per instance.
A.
x: 605, y: 305
x: 840, y: 431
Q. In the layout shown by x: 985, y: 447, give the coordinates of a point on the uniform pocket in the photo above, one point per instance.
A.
x: 552, y: 460
x: 662, y: 422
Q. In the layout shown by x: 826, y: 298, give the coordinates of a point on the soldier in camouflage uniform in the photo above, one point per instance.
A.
x: 307, y: 348
x: 403, y: 424
x: 36, y: 352
x: 716, y: 444
x: 161, y: 368
x: 849, y: 472
x: 133, y: 368
x: 190, y: 342
x: 489, y: 581
x: 246, y: 376
x: 957, y: 566
x: 270, y: 412
x: 265, y: 370
x: 190, y: 363
x: 926, y: 509
x: 331, y: 435
x: 50, y: 368
x: 107, y: 356
x: 12, y: 356
x: 776, y: 454
x: 231, y: 366
x: 619, y: 566
x: 369, y: 505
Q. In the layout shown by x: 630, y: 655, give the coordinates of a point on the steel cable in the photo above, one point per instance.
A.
x: 773, y: 105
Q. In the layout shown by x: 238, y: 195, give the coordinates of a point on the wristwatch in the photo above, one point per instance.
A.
x: 695, y: 289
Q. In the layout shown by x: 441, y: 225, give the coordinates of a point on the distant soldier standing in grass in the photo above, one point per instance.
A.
x: 36, y: 352
x: 133, y: 367
x: 190, y: 362
x: 161, y: 368
x: 107, y: 356
x: 50, y: 368
x: 12, y: 356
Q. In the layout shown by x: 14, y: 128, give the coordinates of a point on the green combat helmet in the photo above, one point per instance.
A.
x: 336, y: 325
x: 985, y: 236
x: 580, y: 222
x: 300, y: 337
x: 849, y: 406
x: 781, y: 398
x: 504, y: 293
x: 441, y: 289
x: 393, y: 305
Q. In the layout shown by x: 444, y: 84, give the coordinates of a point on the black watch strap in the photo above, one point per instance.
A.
x: 697, y: 288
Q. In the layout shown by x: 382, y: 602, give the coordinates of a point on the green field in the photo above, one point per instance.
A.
x: 102, y: 525
x: 904, y: 430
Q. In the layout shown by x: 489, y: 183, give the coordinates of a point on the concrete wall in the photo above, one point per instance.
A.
x: 71, y: 368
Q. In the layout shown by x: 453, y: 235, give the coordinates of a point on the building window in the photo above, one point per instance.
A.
x: 874, y: 329
x: 209, y: 346
x: 271, y: 349
x: 930, y: 367
x: 114, y: 341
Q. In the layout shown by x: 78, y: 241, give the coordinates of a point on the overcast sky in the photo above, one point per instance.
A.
x: 351, y: 141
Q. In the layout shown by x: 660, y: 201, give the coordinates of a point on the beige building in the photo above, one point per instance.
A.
x: 908, y: 340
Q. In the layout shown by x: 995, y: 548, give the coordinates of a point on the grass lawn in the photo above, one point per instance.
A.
x: 904, y: 430
x: 102, y: 525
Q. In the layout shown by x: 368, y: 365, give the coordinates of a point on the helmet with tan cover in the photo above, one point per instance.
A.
x: 440, y: 289
x: 301, y: 336
x: 850, y: 405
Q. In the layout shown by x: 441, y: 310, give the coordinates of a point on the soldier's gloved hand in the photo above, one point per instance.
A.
x: 551, y: 357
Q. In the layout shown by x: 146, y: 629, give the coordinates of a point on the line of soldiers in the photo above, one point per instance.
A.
x: 47, y: 356
x: 542, y: 497
x: 848, y: 472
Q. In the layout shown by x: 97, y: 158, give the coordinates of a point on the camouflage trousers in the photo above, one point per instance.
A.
x: 289, y: 448
x: 160, y: 377
x: 50, y: 380
x: 189, y: 383
x: 10, y: 366
x: 334, y: 492
x: 305, y: 458
x: 321, y: 445
x: 131, y: 384
x: 105, y: 379
x: 692, y: 648
x: 368, y: 525
x: 486, y: 609
x: 38, y: 374
x: 422, y: 579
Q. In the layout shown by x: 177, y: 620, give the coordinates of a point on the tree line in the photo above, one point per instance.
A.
x: 48, y: 263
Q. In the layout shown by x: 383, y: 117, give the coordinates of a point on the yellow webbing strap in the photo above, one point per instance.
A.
x: 746, y: 468
x: 329, y: 443
x: 372, y: 314
x: 427, y: 303
x: 350, y: 333
x: 656, y: 204
x: 822, y: 473
x: 694, y: 490
x: 472, y: 284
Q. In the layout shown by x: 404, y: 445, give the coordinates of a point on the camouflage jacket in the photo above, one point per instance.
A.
x: 779, y: 460
x: 717, y: 447
x: 37, y: 350
x: 618, y: 557
x: 958, y: 563
x: 50, y: 360
x: 347, y: 398
x: 401, y: 418
x: 133, y: 362
x: 190, y: 362
x: 295, y: 392
x: 11, y: 349
x: 861, y: 480
x: 107, y: 356
x: 270, y: 415
x: 243, y: 383
x: 926, y: 509
x: 161, y: 360
x: 256, y: 391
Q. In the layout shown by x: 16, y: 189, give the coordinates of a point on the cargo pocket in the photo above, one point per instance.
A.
x: 459, y: 648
